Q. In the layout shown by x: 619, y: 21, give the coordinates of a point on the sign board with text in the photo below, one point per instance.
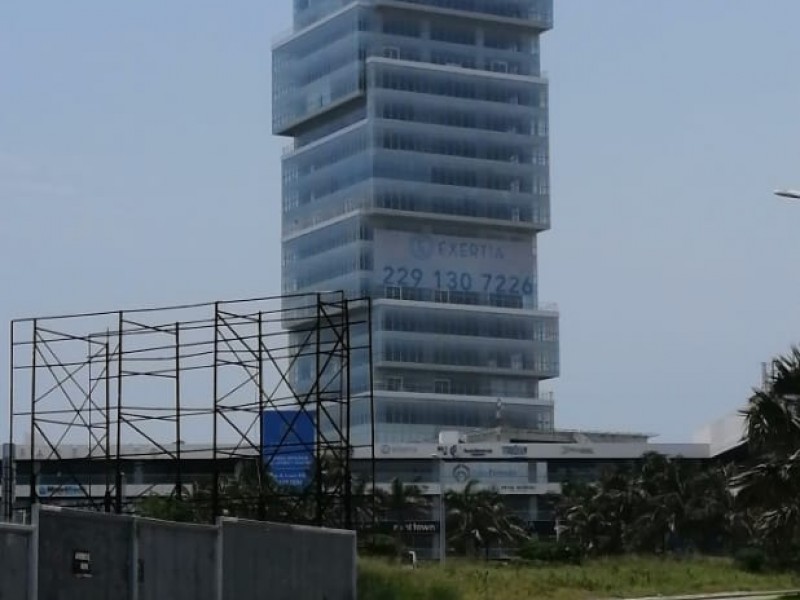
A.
x: 412, y: 527
x: 488, y: 474
x: 59, y: 490
x: 533, y: 451
x: 288, y: 441
x: 451, y: 263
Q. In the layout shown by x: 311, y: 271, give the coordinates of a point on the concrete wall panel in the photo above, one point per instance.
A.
x: 14, y: 555
x: 268, y: 561
x: 176, y: 561
x: 141, y: 559
x: 107, y: 539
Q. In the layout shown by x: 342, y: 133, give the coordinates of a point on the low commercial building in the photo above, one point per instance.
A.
x: 528, y: 474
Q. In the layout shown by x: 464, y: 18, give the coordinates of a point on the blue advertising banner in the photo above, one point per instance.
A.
x: 288, y: 437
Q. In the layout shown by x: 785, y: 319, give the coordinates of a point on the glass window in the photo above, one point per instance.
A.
x: 403, y: 27
x: 453, y: 34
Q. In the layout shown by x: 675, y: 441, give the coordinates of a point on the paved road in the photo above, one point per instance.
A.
x: 766, y: 595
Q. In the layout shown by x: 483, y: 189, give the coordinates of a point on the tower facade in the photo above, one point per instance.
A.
x: 418, y: 175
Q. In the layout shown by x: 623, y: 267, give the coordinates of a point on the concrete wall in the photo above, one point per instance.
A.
x: 142, y: 559
x: 107, y: 539
x: 268, y: 561
x: 15, y: 545
x: 176, y: 561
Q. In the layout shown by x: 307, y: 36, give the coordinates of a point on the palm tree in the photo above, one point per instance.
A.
x: 478, y: 518
x: 710, y: 521
x: 663, y: 503
x: 403, y: 502
x: 166, y: 508
x: 772, y: 422
x: 770, y: 486
x: 574, y: 516
x: 250, y: 492
x: 597, y: 518
x: 363, y: 505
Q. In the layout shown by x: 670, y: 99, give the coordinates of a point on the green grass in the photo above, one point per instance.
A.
x: 624, y: 577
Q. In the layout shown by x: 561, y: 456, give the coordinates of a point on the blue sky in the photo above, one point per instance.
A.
x: 137, y: 168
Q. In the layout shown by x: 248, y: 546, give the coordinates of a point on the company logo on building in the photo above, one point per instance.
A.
x: 461, y: 473
x: 447, y: 450
x: 424, y: 247
x: 519, y: 488
x: 54, y: 490
x: 462, y: 450
x: 399, y: 449
x: 489, y: 473
x: 515, y: 450
x: 477, y: 250
x: 415, y: 527
x: 421, y: 246
x: 476, y: 451
x: 576, y: 450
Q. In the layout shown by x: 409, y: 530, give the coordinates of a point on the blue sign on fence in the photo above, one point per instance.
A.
x: 288, y: 438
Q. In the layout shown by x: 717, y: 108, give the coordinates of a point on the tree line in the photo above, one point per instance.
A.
x: 674, y: 505
x: 477, y: 519
x: 657, y: 505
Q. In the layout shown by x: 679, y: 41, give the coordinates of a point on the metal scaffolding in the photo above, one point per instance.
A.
x: 97, y: 394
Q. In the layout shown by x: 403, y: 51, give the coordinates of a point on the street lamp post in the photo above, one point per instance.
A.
x: 442, y: 520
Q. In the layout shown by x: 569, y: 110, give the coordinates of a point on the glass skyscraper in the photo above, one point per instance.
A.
x: 418, y: 175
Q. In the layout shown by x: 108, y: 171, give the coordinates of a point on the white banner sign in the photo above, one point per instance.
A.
x: 485, y: 473
x: 444, y: 262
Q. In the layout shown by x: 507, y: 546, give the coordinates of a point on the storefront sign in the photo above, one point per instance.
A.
x: 576, y: 450
x: 66, y: 490
x: 475, y: 451
x: 492, y: 474
x: 515, y: 450
x: 410, y: 527
x: 414, y: 527
x: 390, y: 449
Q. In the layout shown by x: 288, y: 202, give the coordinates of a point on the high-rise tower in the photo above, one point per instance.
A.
x: 418, y: 175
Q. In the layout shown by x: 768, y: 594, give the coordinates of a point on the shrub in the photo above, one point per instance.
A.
x: 377, y: 586
x: 377, y: 581
x: 441, y: 591
x: 550, y: 552
x: 750, y: 559
x: 617, y: 577
x: 380, y: 545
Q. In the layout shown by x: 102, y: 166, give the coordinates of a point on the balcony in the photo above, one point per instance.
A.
x: 536, y: 13
x: 301, y: 104
x: 531, y: 13
x: 488, y: 59
x: 445, y: 297
x: 406, y: 387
